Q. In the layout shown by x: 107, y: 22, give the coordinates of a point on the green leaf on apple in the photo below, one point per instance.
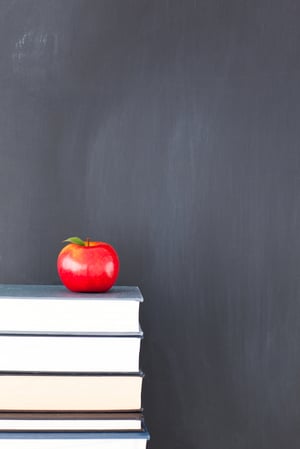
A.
x: 75, y: 240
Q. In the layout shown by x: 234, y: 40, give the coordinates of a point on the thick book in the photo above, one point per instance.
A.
x: 55, y: 421
x: 53, y: 308
x: 88, y: 353
x: 74, y: 440
x: 70, y: 391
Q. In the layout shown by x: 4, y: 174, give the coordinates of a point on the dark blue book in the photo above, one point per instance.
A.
x: 74, y: 440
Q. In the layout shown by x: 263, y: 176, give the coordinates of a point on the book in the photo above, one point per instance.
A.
x: 74, y: 440
x: 88, y: 353
x: 70, y: 391
x: 53, y: 308
x: 88, y: 421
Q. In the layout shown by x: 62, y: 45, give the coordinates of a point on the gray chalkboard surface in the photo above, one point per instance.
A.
x: 169, y: 129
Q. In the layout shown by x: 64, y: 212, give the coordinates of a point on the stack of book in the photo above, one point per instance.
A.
x: 69, y: 369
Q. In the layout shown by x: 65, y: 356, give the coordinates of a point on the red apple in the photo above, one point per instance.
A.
x: 85, y: 266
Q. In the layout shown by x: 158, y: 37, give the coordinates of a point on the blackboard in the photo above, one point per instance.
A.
x: 169, y: 129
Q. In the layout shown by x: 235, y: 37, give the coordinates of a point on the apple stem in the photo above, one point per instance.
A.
x: 88, y: 241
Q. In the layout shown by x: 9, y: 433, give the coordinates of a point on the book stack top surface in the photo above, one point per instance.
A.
x: 60, y: 292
